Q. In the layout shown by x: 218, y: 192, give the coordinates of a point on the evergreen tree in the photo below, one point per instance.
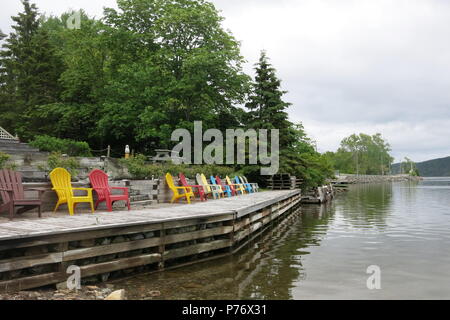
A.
x: 29, y: 71
x: 267, y: 110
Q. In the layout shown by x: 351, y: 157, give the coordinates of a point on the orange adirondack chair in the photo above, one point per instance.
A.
x: 99, y: 182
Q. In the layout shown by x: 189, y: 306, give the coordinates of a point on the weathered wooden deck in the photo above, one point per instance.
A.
x: 241, y: 205
x: 36, y: 252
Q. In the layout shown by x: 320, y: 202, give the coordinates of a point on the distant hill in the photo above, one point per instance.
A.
x: 431, y: 168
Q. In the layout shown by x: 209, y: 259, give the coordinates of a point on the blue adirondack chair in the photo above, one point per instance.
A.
x: 254, y: 185
x: 225, y: 188
x: 247, y: 186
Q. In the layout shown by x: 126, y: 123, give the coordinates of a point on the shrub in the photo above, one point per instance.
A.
x: 139, y: 168
x: 56, y: 160
x: 65, y: 146
x: 4, y: 158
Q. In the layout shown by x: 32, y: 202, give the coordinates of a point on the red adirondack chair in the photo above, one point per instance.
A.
x: 197, y: 189
x: 99, y: 182
x: 13, y: 194
x: 232, y: 188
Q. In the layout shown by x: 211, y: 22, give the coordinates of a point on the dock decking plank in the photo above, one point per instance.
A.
x: 240, y: 205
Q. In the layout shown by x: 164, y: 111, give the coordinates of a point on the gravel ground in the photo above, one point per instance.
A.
x: 86, y: 293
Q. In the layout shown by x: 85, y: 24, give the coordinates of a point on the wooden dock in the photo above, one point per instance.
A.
x: 107, y: 245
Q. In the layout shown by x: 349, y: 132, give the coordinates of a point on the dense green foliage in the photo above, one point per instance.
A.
x: 135, y: 75
x: 29, y: 72
x: 362, y: 154
x: 65, y: 146
x: 130, y: 78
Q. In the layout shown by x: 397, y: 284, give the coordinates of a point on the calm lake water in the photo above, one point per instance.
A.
x: 324, y: 252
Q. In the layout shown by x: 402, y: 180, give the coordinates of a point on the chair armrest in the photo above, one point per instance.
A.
x: 88, y: 190
x: 235, y: 184
x: 39, y: 190
x: 184, y: 188
x: 215, y: 186
x: 196, y: 186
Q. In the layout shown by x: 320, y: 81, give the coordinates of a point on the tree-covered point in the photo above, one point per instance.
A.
x: 362, y: 154
x: 407, y: 166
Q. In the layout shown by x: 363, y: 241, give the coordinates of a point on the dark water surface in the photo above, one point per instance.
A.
x: 324, y: 252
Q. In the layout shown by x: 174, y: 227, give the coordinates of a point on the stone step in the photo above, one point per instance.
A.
x: 142, y: 203
x: 133, y: 192
x: 18, y: 150
x: 137, y: 198
x: 5, y: 142
x: 16, y: 146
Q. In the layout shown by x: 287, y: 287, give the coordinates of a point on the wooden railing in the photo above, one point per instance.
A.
x: 5, y: 135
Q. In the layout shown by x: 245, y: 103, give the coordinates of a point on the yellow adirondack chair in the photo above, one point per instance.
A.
x: 215, y: 189
x: 188, y: 193
x: 60, y: 178
x: 238, y: 187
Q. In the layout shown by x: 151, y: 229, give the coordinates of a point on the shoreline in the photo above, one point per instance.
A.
x: 356, y: 179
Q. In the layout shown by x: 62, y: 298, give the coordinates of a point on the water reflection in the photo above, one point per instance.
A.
x: 367, y: 205
x: 322, y: 252
x: 280, y: 264
x: 266, y: 269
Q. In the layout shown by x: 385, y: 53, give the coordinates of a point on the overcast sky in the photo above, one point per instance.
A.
x: 349, y: 65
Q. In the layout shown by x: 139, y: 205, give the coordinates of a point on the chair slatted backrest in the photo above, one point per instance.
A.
x: 219, y: 182
x: 201, y: 180
x: 61, y: 181
x: 170, y: 183
x: 183, y: 180
x: 205, y: 181
x: 11, y: 180
x: 99, y: 181
x: 213, y: 180
x: 227, y: 188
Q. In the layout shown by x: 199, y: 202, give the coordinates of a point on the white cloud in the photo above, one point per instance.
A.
x: 357, y: 66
